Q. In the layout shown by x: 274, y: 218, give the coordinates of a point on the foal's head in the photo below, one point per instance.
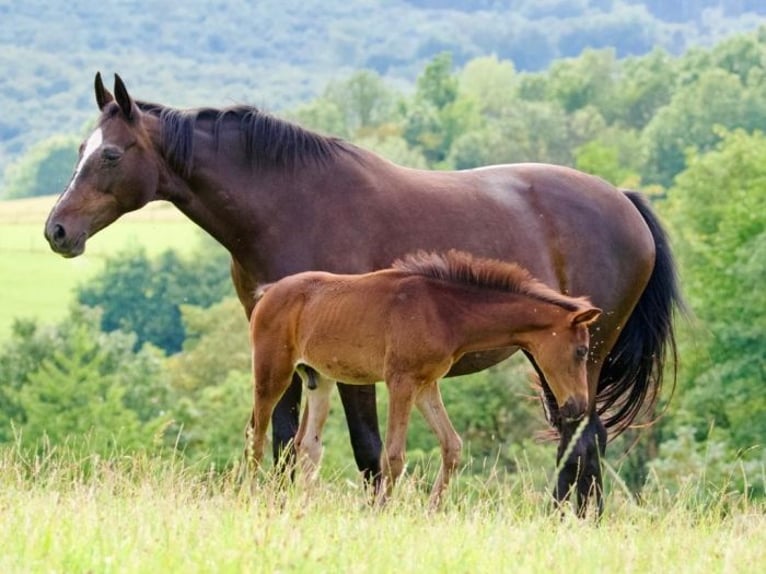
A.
x: 553, y: 328
x: 118, y: 171
x: 560, y: 351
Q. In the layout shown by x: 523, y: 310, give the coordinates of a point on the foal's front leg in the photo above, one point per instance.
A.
x: 401, y: 394
x: 431, y: 406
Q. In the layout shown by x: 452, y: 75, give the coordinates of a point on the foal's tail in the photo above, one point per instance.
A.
x: 632, y: 374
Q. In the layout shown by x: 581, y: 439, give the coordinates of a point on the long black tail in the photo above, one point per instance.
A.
x: 632, y: 374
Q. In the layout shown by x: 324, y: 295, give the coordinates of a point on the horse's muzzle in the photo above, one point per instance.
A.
x: 62, y: 243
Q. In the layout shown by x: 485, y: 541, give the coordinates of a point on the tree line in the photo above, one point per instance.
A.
x: 280, y: 53
x: 137, y: 364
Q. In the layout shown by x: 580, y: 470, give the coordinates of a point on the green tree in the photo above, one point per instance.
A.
x: 142, y: 295
x: 44, y: 169
x: 212, y: 383
x: 717, y: 98
x: 491, y: 83
x: 718, y: 208
x: 644, y: 85
x: 582, y: 81
x: 437, y: 116
x: 529, y: 131
x: 364, y: 100
x: 74, y: 384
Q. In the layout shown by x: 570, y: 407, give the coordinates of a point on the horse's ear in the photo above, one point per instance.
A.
x: 103, y: 96
x: 123, y: 97
x: 586, y: 316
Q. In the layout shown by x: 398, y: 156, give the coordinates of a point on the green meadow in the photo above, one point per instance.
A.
x: 134, y: 514
x: 37, y: 283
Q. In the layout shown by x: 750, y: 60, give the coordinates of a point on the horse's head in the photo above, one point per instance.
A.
x: 117, y: 172
x: 561, y: 353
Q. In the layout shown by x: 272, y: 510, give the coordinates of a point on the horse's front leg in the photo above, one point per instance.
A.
x: 579, y: 461
x: 362, y: 417
x: 284, y: 425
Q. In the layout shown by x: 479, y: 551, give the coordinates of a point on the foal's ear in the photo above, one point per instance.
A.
x: 586, y: 316
x: 103, y: 96
x: 123, y: 97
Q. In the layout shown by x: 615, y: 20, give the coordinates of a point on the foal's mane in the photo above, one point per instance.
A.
x: 460, y: 267
x: 267, y: 140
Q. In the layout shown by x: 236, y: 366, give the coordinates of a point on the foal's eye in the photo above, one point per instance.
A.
x: 581, y: 352
x: 111, y: 154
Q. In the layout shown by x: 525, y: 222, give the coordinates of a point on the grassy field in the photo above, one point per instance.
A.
x: 140, y: 515
x: 38, y: 283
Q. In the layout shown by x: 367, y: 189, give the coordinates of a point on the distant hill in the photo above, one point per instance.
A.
x: 277, y: 53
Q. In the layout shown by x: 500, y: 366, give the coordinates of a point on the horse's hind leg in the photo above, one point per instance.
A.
x: 308, y: 440
x: 285, y: 424
x: 429, y: 403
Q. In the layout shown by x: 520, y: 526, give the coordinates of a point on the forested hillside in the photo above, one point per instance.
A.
x: 278, y: 53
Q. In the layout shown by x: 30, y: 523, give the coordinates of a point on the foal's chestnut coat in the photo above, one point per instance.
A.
x: 407, y: 326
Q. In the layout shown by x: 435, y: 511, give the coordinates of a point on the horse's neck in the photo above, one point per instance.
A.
x: 504, y: 321
x: 237, y: 203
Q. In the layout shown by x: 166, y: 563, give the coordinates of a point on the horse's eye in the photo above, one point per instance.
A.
x: 581, y: 352
x: 111, y: 154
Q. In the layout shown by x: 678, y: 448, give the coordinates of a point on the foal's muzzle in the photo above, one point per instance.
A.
x: 574, y: 409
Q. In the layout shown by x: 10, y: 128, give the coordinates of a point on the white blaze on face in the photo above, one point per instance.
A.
x: 94, y: 142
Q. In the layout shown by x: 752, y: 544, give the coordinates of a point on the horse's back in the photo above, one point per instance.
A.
x: 562, y: 224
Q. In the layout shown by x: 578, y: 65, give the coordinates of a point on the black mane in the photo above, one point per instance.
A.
x: 460, y: 267
x: 269, y: 141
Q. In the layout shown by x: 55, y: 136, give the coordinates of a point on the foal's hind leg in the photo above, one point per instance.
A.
x: 271, y: 380
x: 308, y: 440
x: 429, y: 402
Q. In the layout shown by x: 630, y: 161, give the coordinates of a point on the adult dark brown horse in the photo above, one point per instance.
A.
x: 408, y: 326
x: 282, y: 200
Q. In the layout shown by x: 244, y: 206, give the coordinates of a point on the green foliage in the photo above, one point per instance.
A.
x: 718, y: 209
x: 644, y: 86
x: 491, y: 83
x: 43, y: 170
x: 73, y: 384
x: 600, y: 159
x: 212, y: 383
x: 582, y: 81
x: 142, y: 295
x: 436, y: 116
x: 716, y: 98
x: 281, y: 57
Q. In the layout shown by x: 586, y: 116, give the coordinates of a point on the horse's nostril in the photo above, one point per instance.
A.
x: 58, y: 232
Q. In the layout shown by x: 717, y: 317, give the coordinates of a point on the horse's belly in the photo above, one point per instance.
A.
x: 475, y: 362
